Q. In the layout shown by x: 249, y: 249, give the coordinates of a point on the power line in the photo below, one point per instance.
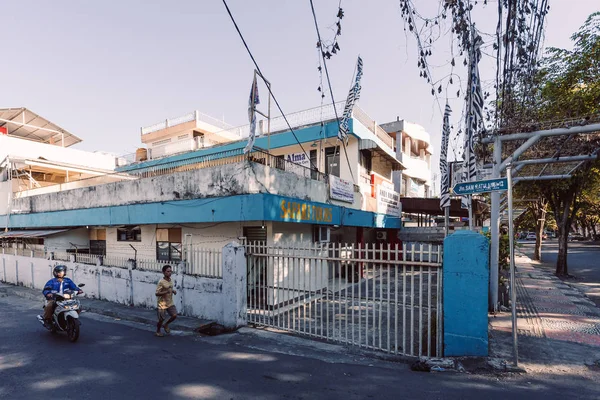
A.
x: 268, y: 86
x: 329, y: 84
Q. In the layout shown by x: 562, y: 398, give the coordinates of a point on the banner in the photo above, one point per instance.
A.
x: 340, y: 189
x: 445, y: 175
x: 388, y: 201
x: 252, y: 102
x: 353, y: 97
x: 474, y: 113
x: 298, y: 163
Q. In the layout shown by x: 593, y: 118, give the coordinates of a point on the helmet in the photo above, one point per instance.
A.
x: 58, y: 269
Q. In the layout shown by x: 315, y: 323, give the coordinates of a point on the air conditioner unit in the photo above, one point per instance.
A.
x: 322, y: 234
x: 381, y: 235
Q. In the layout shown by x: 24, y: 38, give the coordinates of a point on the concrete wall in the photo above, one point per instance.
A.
x: 146, y: 249
x: 221, y: 181
x: 221, y: 300
x: 5, y: 193
x: 292, y: 234
x: 382, y: 167
x: 65, y: 240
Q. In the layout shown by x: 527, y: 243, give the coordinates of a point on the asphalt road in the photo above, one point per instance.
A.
x: 583, y: 262
x: 118, y: 361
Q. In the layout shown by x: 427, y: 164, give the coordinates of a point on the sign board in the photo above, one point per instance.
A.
x: 298, y: 164
x: 388, y: 201
x: 414, y: 187
x: 491, y: 185
x: 340, y: 189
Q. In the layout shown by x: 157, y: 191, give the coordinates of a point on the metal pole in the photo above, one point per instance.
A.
x: 446, y: 221
x: 513, y: 289
x: 471, y: 225
x: 269, y: 121
x: 495, y: 229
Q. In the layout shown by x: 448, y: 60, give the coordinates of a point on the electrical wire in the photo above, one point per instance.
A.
x: 268, y: 86
x: 330, y: 89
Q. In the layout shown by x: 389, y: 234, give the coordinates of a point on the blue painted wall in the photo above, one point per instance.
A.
x: 256, y: 207
x: 465, y: 288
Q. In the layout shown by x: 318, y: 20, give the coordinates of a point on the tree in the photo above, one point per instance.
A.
x: 536, y: 212
x: 588, y: 215
x: 569, y: 89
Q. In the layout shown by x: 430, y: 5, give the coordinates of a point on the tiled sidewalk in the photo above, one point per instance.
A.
x: 565, y: 313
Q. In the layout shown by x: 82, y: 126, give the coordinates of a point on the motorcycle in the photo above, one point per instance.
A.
x: 65, y: 317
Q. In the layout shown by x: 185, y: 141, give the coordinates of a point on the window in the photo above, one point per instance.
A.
x: 98, y: 247
x: 129, y: 234
x: 313, y: 164
x: 332, y: 161
x: 98, y: 241
x: 280, y: 162
x: 366, y: 162
x: 168, y: 244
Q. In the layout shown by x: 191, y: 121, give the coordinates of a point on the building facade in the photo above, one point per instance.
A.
x: 193, y: 184
x: 414, y: 146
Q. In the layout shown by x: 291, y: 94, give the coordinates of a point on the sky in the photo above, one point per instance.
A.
x: 103, y: 69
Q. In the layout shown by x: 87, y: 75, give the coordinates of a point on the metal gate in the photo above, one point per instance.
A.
x: 374, y: 297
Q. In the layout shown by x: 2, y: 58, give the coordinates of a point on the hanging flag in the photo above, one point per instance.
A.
x: 445, y: 176
x: 474, y: 114
x: 252, y: 102
x: 353, y: 97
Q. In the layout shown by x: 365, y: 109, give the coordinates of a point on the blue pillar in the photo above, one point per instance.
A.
x: 465, y: 287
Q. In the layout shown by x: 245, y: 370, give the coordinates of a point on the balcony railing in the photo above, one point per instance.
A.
x: 313, y: 116
x: 367, y: 121
x: 229, y: 157
x: 182, y: 146
x: 193, y: 116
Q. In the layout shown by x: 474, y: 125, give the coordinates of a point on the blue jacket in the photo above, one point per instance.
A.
x: 55, y: 285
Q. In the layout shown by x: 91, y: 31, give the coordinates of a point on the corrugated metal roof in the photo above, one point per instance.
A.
x: 34, y: 127
x: 31, y: 233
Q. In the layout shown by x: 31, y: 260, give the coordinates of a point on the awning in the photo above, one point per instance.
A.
x: 24, y: 123
x: 30, y: 233
x: 368, y: 144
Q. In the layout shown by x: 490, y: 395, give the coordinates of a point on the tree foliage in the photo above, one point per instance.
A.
x: 568, y: 91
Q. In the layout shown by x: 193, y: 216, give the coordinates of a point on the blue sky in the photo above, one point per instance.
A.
x: 103, y: 69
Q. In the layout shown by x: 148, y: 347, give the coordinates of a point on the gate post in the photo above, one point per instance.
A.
x: 465, y: 294
x: 234, y: 286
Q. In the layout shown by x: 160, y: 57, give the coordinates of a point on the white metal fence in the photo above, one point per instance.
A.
x: 379, y: 298
x: 154, y: 265
x: 86, y: 258
x: 204, y: 262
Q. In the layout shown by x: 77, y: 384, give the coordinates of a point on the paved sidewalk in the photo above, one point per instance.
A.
x: 558, y: 326
x: 110, y: 309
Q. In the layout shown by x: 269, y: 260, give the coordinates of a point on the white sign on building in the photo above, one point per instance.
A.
x: 302, y: 164
x: 340, y: 189
x: 388, y: 201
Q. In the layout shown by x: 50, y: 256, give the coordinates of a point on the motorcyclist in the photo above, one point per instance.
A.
x: 59, y: 285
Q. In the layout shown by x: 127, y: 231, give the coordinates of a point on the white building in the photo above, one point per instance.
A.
x: 415, y: 150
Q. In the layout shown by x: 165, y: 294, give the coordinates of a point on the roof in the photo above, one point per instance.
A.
x: 30, y: 233
x: 431, y: 206
x: 24, y: 123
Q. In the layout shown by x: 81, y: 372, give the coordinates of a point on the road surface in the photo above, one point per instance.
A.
x: 583, y: 262
x: 115, y: 360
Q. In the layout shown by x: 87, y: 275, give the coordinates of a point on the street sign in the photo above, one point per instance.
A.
x: 491, y: 185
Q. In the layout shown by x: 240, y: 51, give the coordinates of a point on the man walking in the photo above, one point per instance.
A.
x: 166, y: 306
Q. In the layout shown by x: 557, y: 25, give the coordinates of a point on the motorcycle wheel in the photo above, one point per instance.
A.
x: 72, y: 329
